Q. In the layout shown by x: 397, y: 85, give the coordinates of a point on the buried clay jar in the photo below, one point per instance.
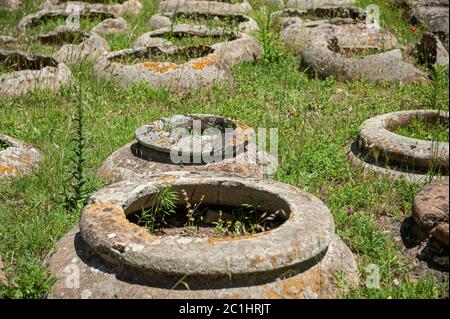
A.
x: 74, y: 44
x: 381, y: 150
x: 235, y: 22
x: 118, y: 7
x: 151, y: 153
x: 24, y: 72
x: 338, y: 42
x: 301, y: 251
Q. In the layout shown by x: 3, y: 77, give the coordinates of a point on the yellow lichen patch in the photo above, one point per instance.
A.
x: 108, y: 218
x: 233, y: 296
x: 212, y: 240
x: 256, y: 261
x: 243, y: 134
x: 156, y: 67
x: 103, y: 208
x: 168, y: 179
x: 199, y: 65
x: 292, y: 288
x: 7, y: 170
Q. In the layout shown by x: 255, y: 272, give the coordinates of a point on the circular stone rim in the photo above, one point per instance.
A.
x: 374, y: 132
x: 305, y: 235
x: 243, y: 7
x: 389, y: 172
x: 145, y: 131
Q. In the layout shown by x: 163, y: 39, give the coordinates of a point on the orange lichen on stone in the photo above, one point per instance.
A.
x: 291, y: 288
x: 212, y: 240
x: 167, y: 179
x: 158, y: 68
x: 105, y: 218
x: 25, y: 158
x: 7, y: 170
x: 205, y: 62
x: 103, y: 208
x: 256, y: 261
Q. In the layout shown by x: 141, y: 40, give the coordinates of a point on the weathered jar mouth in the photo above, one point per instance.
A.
x: 17, y: 61
x: 237, y: 18
x: 297, y: 244
x: 378, y: 143
x: 154, y: 54
x: 67, y: 36
x: 428, y: 117
x: 195, y: 135
x: 327, y: 13
x: 219, y: 35
x: 56, y: 14
x: 259, y: 206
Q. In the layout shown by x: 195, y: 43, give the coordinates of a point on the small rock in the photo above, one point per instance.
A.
x: 430, y: 207
x: 440, y: 233
x: 10, y: 5
x: 109, y: 26
x: 430, y: 50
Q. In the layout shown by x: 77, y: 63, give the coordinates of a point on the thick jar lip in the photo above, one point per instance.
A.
x: 27, y: 61
x: 41, y: 15
x: 304, y: 236
x: 377, y: 133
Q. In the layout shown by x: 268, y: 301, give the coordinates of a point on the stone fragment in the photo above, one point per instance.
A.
x: 16, y: 157
x: 75, y: 44
x: 430, y: 50
x: 117, y: 258
x: 435, y: 14
x: 347, y: 48
x: 205, y: 6
x: 10, y: 5
x: 118, y: 8
x: 380, y: 150
x: 111, y: 26
x: 31, y: 72
x: 430, y: 208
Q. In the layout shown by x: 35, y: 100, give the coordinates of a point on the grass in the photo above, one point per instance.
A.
x: 315, y: 120
x: 424, y: 130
